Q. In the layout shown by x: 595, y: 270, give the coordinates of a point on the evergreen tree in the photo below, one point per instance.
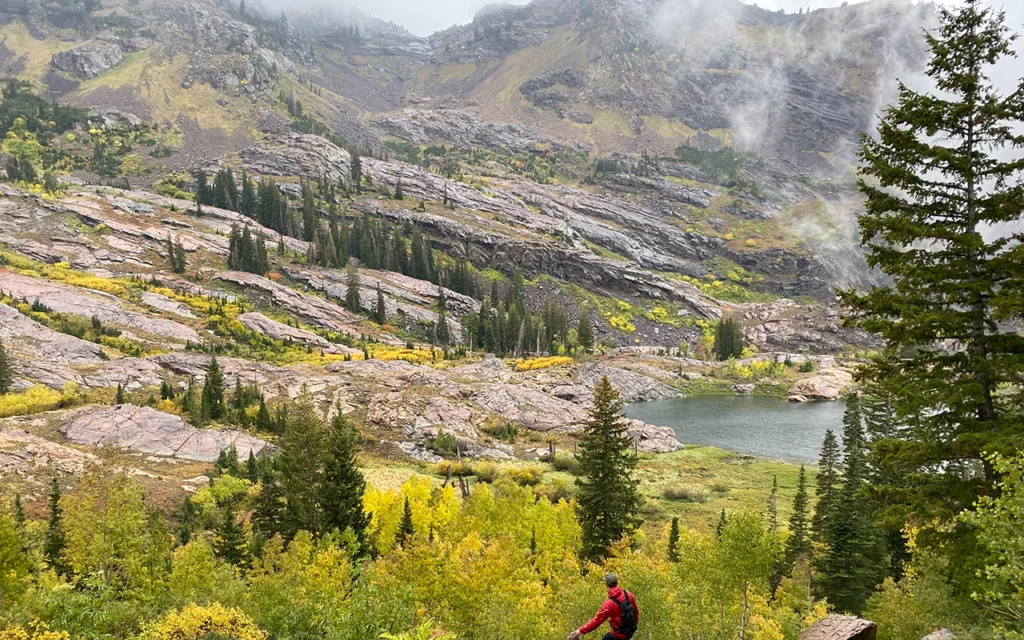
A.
x: 264, y: 422
x: 585, y: 331
x: 937, y: 178
x: 19, y: 512
x: 609, y: 499
x: 720, y: 527
x: 673, y: 541
x: 405, y: 527
x: 247, y: 202
x: 773, y: 506
x: 443, y: 334
x: 357, y: 172
x: 829, y: 470
x: 55, y: 541
x: 191, y: 403
x: 399, y: 194
x: 119, y: 397
x: 302, y: 447
x: 204, y: 194
x: 229, y: 540
x: 6, y: 371
x: 380, y: 310
x: 166, y: 391
x: 729, y: 340
x: 352, y: 287
x: 212, y: 402
x: 310, y: 220
x: 798, y: 544
x: 252, y: 469
x: 269, y: 509
x: 855, y: 560
x: 341, y: 494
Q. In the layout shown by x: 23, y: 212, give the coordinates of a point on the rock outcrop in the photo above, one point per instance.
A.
x: 827, y: 385
x: 94, y: 304
x: 315, y: 310
x: 41, y: 354
x: 89, y: 59
x: 632, y: 387
x: 279, y: 331
x: 147, y: 430
x: 298, y: 154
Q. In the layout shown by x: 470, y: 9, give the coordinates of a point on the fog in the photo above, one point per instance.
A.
x: 423, y: 17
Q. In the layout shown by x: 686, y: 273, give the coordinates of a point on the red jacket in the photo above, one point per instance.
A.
x: 610, y: 611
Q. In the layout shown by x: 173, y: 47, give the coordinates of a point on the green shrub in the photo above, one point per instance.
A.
x: 524, y: 476
x: 685, y: 494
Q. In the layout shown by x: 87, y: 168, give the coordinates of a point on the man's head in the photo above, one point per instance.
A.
x: 611, y: 580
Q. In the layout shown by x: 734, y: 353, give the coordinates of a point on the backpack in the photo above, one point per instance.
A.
x: 627, y: 613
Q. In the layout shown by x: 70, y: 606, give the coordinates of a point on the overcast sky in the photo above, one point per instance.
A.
x: 424, y: 17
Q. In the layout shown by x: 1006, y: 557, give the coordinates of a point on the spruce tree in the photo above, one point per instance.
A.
x: 829, y: 470
x: 212, y: 403
x: 341, y: 493
x: 399, y: 194
x: 673, y: 541
x: 406, y: 529
x: 855, y: 559
x: 302, y: 448
x: 55, y: 541
x: 585, y: 331
x: 609, y: 499
x: 357, y: 172
x: 352, y: 287
x: 6, y: 371
x: 310, y: 220
x: 252, y: 470
x: 380, y: 312
x: 773, y: 506
x: 119, y: 397
x: 229, y: 539
x: 269, y: 507
x: 443, y: 333
x: 247, y: 202
x: 798, y: 544
x: 264, y: 422
x: 19, y: 512
x: 720, y: 527
x: 936, y: 179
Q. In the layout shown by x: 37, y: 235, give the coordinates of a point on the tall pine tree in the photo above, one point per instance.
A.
x: 212, y: 402
x: 56, y: 538
x: 936, y: 179
x: 301, y: 456
x: 609, y: 499
x: 6, y: 371
x: 341, y: 494
x: 829, y: 473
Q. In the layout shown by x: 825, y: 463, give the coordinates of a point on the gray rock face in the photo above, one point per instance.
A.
x: 41, y: 354
x: 315, y: 310
x: 458, y: 127
x: 298, y: 154
x: 89, y: 59
x: 632, y: 387
x: 147, y: 430
x: 163, y: 303
x: 107, y: 308
x: 279, y: 331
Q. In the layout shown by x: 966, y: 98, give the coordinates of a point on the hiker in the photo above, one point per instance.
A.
x: 619, y: 610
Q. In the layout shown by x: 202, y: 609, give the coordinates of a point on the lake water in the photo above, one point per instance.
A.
x: 752, y: 425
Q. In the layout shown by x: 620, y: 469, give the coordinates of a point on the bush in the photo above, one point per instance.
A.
x: 685, y: 494
x: 443, y: 444
x: 569, y: 464
x: 720, y: 486
x: 653, y: 510
x: 504, y: 431
x: 556, y: 491
x: 807, y: 367
x: 524, y: 476
x: 485, y: 471
x: 542, y: 363
x: 34, y: 400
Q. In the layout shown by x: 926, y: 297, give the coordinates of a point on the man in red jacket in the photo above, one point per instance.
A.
x: 619, y: 610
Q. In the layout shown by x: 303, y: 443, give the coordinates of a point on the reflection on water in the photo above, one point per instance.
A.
x: 759, y: 426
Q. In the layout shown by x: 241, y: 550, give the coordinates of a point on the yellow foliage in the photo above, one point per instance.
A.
x: 213, y: 620
x: 622, y: 323
x: 34, y: 400
x: 36, y: 631
x: 534, y: 364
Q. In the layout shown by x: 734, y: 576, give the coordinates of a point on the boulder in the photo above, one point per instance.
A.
x: 941, y: 634
x: 89, y: 59
x: 652, y: 439
x: 743, y: 389
x: 827, y: 385
x: 147, y: 430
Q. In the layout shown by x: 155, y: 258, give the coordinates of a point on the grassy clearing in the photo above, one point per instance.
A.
x: 34, y: 54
